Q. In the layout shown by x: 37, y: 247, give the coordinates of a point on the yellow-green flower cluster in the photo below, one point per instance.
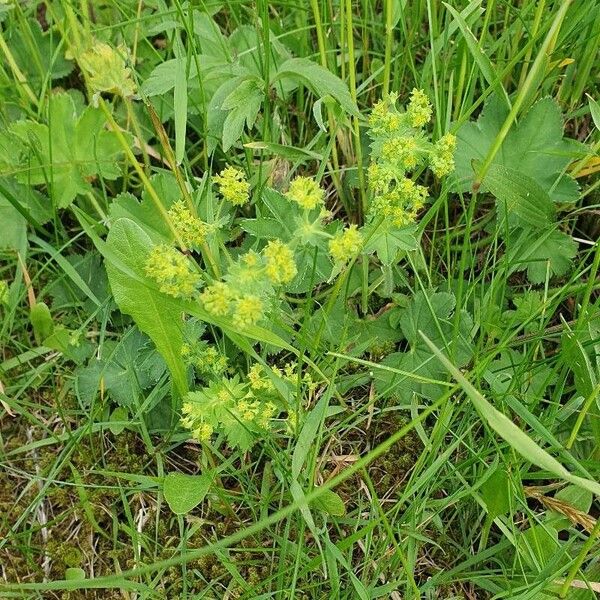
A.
x: 401, y: 150
x: 400, y: 203
x: 400, y: 146
x: 107, y: 70
x: 220, y: 300
x: 280, y: 266
x: 306, y: 192
x: 206, y: 360
x: 191, y: 230
x: 193, y: 420
x: 172, y: 271
x: 384, y: 118
x: 247, y: 311
x: 217, y: 299
x: 346, y: 244
x: 228, y: 406
x: 233, y: 186
x: 441, y: 159
x: 259, y: 380
x: 419, y: 109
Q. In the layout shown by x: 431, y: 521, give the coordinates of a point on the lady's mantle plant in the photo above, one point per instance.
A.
x: 243, y: 282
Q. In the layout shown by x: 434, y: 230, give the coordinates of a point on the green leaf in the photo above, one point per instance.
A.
x: 578, y: 361
x: 155, y: 313
x: 317, y: 79
x: 289, y: 152
x: 39, y: 54
x: 495, y: 492
x: 144, y: 211
x: 125, y: 368
x: 242, y: 104
x: 307, y: 435
x: 263, y: 228
x: 535, y: 147
x: 331, y: 503
x: 548, y: 252
x: 67, y: 154
x: 594, y: 111
x: 508, y: 431
x: 184, y: 492
x: 41, y: 321
x: 74, y: 574
x: 386, y: 241
x: 14, y: 227
x: 520, y: 199
x: 118, y: 419
x: 433, y: 313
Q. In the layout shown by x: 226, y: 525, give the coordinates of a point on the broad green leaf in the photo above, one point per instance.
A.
x: 534, y: 146
x: 289, y: 152
x: 118, y: 419
x: 14, y: 227
x: 387, y: 240
x: 155, y: 313
x: 66, y: 154
x: 242, y: 105
x: 548, y: 252
x: 510, y: 432
x: 144, y: 211
x: 184, y: 492
x: 317, y: 79
x: 41, y: 321
x: 38, y: 54
x: 496, y: 493
x: 331, y: 503
x: 74, y: 574
x: 125, y: 368
x: 520, y: 199
x: 264, y: 228
x: 416, y: 370
x: 594, y: 111
x: 538, y: 545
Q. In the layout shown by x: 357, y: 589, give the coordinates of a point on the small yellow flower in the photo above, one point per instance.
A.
x: 190, y: 228
x: 306, y: 192
x: 258, y: 379
x: 400, y: 204
x: 172, y: 271
x: 419, y: 109
x: 217, y: 299
x: 442, y: 157
x: 280, y: 266
x: 106, y: 69
x: 247, y: 410
x: 251, y: 259
x: 203, y: 432
x: 401, y: 150
x: 233, y: 186
x: 346, y: 244
x: 267, y: 412
x: 248, y: 310
x: 384, y: 117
